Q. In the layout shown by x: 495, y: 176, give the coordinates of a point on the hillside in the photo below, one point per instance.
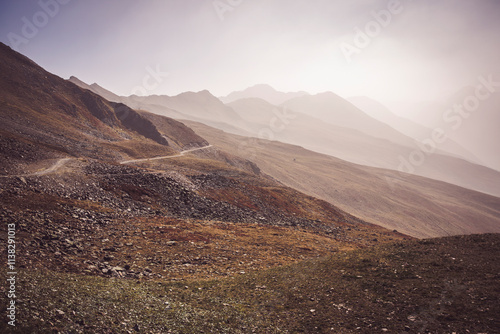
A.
x: 414, y: 205
x: 178, y: 135
x: 96, y: 89
x: 43, y: 116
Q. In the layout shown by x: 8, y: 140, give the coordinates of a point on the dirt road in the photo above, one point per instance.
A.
x: 166, y: 157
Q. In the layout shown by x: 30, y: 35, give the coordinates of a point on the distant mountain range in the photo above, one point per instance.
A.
x: 325, y: 123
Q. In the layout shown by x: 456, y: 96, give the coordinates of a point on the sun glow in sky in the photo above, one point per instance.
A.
x: 423, y: 50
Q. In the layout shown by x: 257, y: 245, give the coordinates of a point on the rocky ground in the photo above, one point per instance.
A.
x: 120, y: 221
x: 199, y: 247
x: 447, y: 285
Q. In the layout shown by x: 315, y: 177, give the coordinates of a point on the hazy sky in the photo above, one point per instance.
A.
x: 424, y: 50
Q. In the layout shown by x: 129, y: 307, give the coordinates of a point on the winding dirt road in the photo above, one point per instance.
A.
x: 166, y: 157
x: 61, y: 162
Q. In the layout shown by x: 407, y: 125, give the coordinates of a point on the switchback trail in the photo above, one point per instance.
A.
x: 166, y: 157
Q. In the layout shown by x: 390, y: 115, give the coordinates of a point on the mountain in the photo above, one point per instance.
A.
x: 414, y: 205
x: 408, y: 127
x: 264, y: 92
x: 266, y: 121
x: 43, y: 115
x: 128, y: 221
x: 469, y: 117
x: 198, y: 106
x: 380, y: 112
x: 338, y: 129
x: 334, y: 109
x: 108, y: 95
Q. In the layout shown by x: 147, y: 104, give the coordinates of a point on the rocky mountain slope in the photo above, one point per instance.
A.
x: 78, y: 209
x: 43, y: 116
x: 178, y: 135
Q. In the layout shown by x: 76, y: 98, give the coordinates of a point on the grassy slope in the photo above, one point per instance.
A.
x: 437, y: 285
x: 413, y: 205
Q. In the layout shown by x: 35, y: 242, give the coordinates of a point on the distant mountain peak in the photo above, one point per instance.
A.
x: 204, y: 94
x: 95, y: 85
x: 99, y: 90
x: 77, y: 81
x: 261, y: 87
x: 264, y: 92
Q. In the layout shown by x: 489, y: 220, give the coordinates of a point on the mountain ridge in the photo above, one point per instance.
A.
x: 263, y: 91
